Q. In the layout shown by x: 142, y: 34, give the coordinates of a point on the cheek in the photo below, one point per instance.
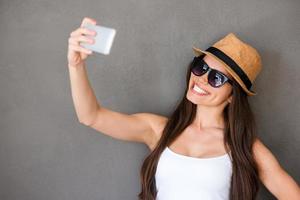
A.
x: 224, y: 92
x: 192, y: 78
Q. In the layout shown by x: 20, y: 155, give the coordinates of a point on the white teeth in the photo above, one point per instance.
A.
x: 199, y: 90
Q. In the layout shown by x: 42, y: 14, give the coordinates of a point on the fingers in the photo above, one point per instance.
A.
x: 84, y: 31
x: 88, y: 20
x: 81, y: 35
x: 74, y: 43
x: 80, y: 49
x: 76, y: 39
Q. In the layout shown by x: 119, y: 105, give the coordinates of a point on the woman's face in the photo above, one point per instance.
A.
x: 214, y: 96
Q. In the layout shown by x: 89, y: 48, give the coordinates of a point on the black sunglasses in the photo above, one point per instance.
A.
x: 215, y: 78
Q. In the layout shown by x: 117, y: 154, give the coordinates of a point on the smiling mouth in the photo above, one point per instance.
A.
x: 198, y: 90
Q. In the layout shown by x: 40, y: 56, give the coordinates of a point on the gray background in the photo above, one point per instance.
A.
x: 45, y: 153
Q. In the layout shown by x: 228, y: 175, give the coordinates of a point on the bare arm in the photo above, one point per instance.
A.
x: 83, y: 96
x: 273, y: 176
x: 139, y: 127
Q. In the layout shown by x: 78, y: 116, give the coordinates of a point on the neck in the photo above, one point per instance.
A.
x: 209, y: 117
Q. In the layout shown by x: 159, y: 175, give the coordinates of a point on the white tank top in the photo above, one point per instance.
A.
x: 180, y: 177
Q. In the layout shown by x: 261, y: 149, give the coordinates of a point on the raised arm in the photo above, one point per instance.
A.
x: 138, y: 127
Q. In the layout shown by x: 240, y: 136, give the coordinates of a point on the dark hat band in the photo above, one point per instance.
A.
x: 235, y: 67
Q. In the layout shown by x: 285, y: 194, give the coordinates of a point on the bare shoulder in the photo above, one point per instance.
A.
x: 158, y: 123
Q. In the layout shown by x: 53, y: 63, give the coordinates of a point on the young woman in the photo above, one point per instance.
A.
x: 207, y: 149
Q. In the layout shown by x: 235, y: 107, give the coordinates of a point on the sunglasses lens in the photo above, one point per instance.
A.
x: 216, y: 79
x: 199, y: 67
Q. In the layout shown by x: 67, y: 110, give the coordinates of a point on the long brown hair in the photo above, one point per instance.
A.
x: 239, y: 136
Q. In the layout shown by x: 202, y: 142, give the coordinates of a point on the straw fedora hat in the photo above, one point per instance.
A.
x: 240, y: 59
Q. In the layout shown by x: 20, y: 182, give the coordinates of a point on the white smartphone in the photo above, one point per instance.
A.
x: 103, y: 39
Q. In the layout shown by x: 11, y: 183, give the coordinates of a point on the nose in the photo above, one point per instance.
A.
x: 204, y: 78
